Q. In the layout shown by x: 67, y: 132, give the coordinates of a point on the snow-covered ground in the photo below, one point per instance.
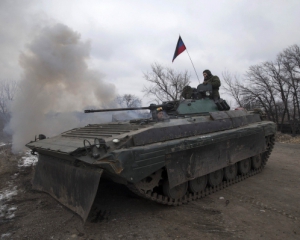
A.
x: 5, y: 195
x: 7, y: 212
x: 28, y: 160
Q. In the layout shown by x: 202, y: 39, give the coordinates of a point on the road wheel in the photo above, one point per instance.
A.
x: 256, y: 161
x: 244, y: 166
x: 230, y: 172
x: 198, y: 184
x: 176, y: 192
x: 215, y: 178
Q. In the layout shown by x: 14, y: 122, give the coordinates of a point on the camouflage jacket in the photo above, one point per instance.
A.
x: 216, y: 83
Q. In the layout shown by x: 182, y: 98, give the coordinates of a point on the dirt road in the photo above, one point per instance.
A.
x: 265, y: 206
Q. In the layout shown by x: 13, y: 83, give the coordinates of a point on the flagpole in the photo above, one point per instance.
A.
x: 180, y: 47
x: 193, y: 65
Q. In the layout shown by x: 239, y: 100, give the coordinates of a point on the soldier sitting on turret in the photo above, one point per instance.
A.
x: 214, y: 81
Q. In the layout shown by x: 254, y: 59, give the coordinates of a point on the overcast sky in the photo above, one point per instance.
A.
x: 126, y: 37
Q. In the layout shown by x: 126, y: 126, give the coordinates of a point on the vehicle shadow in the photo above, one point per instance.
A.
x: 117, y: 201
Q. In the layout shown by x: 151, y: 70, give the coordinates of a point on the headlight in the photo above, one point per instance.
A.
x: 115, y: 140
x: 207, y: 93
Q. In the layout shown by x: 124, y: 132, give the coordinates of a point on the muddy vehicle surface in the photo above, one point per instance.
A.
x: 187, y: 150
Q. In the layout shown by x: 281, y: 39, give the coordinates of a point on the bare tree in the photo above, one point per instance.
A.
x: 291, y: 66
x: 165, y: 83
x: 275, y: 71
x: 260, y: 86
x: 273, y: 86
x: 129, y: 101
x: 8, y: 90
x: 232, y: 86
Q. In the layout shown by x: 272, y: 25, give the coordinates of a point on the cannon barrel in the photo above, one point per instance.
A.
x: 151, y: 107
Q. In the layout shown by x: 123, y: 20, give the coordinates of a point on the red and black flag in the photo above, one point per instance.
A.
x: 180, y: 47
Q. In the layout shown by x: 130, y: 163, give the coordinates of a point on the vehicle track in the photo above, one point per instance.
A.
x: 262, y: 205
x: 156, y: 197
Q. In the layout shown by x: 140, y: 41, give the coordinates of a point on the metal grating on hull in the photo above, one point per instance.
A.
x: 100, y: 130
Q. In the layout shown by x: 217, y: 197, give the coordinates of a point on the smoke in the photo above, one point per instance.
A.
x: 56, y: 82
x: 19, y: 21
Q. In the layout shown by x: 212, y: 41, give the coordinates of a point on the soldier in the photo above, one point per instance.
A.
x: 189, y: 93
x: 214, y: 81
x: 160, y: 114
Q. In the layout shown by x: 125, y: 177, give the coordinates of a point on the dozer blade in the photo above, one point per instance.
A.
x: 74, y: 187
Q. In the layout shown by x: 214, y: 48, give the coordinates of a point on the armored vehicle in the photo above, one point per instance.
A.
x: 187, y: 150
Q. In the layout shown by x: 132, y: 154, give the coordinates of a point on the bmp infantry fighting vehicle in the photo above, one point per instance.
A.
x: 187, y: 150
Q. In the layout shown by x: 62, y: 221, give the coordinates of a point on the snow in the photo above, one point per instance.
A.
x: 28, y: 160
x: 8, y: 193
x: 5, y: 235
x: 8, y: 212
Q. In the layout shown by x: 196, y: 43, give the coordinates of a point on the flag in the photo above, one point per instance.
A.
x: 180, y: 47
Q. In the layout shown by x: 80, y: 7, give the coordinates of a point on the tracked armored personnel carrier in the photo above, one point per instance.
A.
x: 187, y: 150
